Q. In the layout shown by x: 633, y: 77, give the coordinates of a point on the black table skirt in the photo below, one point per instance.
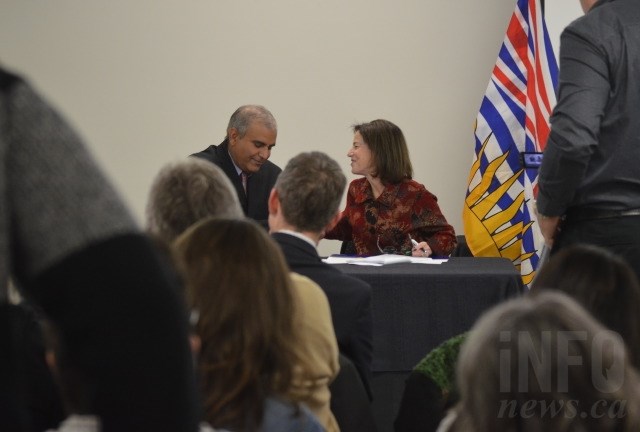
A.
x: 417, y: 306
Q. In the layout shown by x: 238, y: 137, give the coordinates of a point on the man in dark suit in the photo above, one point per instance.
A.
x: 244, y: 158
x: 304, y: 203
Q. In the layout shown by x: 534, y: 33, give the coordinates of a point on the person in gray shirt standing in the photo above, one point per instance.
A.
x: 589, y: 184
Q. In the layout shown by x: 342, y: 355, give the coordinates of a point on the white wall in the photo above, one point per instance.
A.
x: 558, y: 14
x: 150, y: 81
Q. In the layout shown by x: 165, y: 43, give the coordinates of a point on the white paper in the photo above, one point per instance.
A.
x: 337, y: 259
x: 378, y: 260
x: 421, y: 260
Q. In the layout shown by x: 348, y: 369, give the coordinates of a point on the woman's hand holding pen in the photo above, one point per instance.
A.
x: 421, y: 249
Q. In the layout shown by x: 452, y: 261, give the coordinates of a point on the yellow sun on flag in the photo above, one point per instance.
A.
x: 489, y: 230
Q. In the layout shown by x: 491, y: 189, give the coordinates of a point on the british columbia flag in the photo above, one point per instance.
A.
x: 511, y: 131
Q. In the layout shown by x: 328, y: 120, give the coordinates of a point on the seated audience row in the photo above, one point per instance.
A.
x: 173, y: 206
x: 190, y: 191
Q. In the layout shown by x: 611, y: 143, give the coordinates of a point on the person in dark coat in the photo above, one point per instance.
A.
x: 244, y: 158
x: 304, y: 203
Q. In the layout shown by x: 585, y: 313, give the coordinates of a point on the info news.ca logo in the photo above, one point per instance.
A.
x: 548, y: 362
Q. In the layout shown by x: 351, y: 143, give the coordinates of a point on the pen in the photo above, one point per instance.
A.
x: 415, y: 244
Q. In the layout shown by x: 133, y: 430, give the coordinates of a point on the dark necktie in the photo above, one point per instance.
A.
x: 243, y: 177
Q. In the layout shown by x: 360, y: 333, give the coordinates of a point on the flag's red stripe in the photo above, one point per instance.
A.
x: 510, y: 85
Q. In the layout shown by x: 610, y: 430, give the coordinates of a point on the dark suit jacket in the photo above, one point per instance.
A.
x: 422, y: 407
x: 31, y: 399
x: 259, y: 185
x: 350, y: 400
x: 349, y: 300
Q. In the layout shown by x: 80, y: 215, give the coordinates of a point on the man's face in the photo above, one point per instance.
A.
x: 254, y: 148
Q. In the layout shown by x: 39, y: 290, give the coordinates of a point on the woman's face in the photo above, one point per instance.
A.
x: 361, y: 156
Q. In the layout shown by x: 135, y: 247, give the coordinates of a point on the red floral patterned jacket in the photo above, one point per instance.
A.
x: 403, y: 209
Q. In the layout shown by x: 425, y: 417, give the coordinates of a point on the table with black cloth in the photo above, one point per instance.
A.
x: 418, y: 306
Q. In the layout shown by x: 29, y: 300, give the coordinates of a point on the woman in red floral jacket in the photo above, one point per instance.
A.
x: 386, y: 208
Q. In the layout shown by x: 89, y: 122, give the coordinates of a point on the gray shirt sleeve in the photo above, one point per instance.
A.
x: 58, y: 201
x: 575, y: 123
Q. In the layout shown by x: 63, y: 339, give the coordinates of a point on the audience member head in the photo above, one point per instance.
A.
x: 603, y: 283
x: 382, y: 144
x: 542, y: 363
x: 184, y: 193
x: 251, y: 134
x: 308, y: 192
x: 238, y: 282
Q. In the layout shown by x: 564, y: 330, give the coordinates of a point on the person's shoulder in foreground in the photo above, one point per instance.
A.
x: 73, y: 258
x: 279, y: 416
x: 317, y: 350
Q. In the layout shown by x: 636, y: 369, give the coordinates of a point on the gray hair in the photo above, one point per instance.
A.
x: 185, y: 192
x: 498, y: 373
x: 242, y: 118
x: 310, y: 189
